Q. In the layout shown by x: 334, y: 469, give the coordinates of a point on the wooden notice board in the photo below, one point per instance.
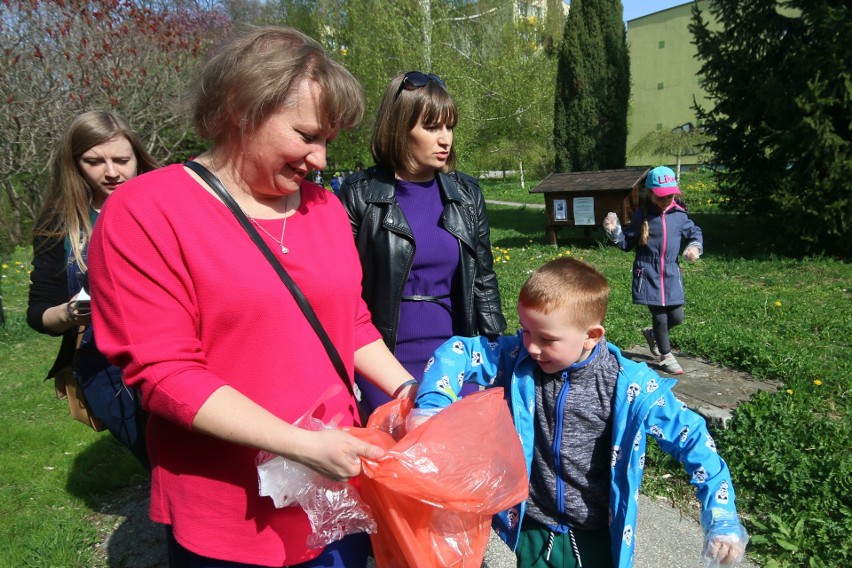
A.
x: 582, y: 199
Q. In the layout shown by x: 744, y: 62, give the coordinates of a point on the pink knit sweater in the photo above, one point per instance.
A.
x: 184, y: 302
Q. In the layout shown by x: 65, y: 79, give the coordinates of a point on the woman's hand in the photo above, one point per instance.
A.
x: 337, y: 454
x: 63, y: 317
x: 78, y: 314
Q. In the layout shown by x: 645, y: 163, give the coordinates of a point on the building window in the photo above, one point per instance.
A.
x: 661, y: 45
x: 660, y: 86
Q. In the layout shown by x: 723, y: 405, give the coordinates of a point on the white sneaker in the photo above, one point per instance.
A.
x: 670, y: 365
x: 652, y: 342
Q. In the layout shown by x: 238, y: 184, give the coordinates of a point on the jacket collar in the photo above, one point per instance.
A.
x: 382, y: 187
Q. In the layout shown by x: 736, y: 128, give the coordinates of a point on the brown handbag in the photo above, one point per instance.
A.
x: 67, y: 387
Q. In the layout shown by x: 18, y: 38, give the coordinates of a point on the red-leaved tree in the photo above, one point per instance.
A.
x: 62, y: 57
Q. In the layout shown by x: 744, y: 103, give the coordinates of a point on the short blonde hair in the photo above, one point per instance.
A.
x: 255, y: 73
x: 571, y: 285
x: 398, y: 114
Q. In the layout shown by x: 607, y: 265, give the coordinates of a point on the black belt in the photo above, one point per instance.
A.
x: 433, y: 299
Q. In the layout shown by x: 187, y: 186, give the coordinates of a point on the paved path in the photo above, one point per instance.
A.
x: 515, y: 204
x: 666, y: 537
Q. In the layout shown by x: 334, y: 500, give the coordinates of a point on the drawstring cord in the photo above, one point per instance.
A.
x: 549, y: 546
x: 575, y: 548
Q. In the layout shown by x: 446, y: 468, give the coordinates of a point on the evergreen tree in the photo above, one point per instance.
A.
x: 779, y: 75
x: 592, y: 88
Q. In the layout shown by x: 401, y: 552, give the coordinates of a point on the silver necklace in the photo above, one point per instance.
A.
x: 280, y: 241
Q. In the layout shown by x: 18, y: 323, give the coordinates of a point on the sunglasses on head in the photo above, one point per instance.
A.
x: 414, y: 80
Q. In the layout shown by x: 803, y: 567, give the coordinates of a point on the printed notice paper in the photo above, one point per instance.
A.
x: 560, y: 210
x: 584, y: 210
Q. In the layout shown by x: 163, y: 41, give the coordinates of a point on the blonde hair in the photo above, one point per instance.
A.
x: 398, y: 114
x: 255, y: 73
x: 645, y: 228
x: 68, y: 199
x: 570, y: 285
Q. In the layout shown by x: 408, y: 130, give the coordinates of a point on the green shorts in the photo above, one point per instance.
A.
x: 535, y: 550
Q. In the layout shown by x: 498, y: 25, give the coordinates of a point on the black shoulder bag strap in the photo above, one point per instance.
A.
x: 226, y: 198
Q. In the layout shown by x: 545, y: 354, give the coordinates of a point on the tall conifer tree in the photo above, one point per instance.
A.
x: 592, y: 88
x: 779, y: 75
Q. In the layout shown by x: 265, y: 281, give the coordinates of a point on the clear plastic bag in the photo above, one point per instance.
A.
x: 434, y: 492
x: 334, y: 508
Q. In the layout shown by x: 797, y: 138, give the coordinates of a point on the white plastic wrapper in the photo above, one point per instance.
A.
x: 334, y: 508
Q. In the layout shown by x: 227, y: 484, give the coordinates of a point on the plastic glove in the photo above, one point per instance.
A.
x: 418, y: 416
x: 724, y: 549
x: 610, y: 222
x: 612, y: 226
x: 725, y: 541
x: 692, y: 253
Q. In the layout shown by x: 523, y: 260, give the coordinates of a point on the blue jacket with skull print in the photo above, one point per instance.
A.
x: 644, y: 406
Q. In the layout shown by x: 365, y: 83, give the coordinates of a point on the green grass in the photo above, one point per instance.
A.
x: 54, y: 472
x: 751, y: 305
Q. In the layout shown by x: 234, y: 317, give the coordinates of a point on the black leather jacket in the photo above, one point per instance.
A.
x: 386, y: 246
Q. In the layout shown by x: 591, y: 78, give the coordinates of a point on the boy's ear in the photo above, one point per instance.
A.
x: 593, y: 335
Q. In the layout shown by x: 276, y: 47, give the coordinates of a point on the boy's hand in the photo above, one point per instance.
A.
x: 418, y: 416
x: 724, y: 551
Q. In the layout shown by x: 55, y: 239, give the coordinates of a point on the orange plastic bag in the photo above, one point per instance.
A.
x: 434, y: 492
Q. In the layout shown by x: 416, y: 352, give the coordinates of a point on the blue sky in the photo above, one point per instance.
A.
x: 637, y: 8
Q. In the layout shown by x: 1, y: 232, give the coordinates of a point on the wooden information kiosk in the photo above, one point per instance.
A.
x: 582, y: 199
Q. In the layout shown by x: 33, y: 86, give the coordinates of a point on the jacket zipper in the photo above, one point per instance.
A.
x: 663, y: 259
x: 557, y: 441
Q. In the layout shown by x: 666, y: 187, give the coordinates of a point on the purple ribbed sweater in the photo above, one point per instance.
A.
x: 423, y: 326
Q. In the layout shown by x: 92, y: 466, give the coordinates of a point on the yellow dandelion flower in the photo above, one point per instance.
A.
x: 5, y: 266
x: 789, y: 391
x: 508, y: 257
x: 777, y: 303
x: 817, y: 382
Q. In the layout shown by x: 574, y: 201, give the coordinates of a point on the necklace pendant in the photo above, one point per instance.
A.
x: 284, y: 250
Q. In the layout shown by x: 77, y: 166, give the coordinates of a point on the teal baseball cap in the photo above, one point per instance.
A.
x: 662, y: 181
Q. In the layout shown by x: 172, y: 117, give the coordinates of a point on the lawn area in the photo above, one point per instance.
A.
x: 750, y: 306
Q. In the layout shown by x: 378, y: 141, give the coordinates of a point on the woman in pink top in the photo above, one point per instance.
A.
x: 203, y: 326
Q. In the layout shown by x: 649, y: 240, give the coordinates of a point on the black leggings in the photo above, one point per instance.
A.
x: 664, y: 318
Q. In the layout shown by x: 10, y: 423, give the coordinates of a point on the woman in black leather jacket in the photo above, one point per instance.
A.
x: 421, y: 230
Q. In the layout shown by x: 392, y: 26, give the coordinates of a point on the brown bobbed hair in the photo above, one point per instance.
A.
x: 571, y: 285
x: 398, y: 114
x: 68, y: 198
x: 255, y: 73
